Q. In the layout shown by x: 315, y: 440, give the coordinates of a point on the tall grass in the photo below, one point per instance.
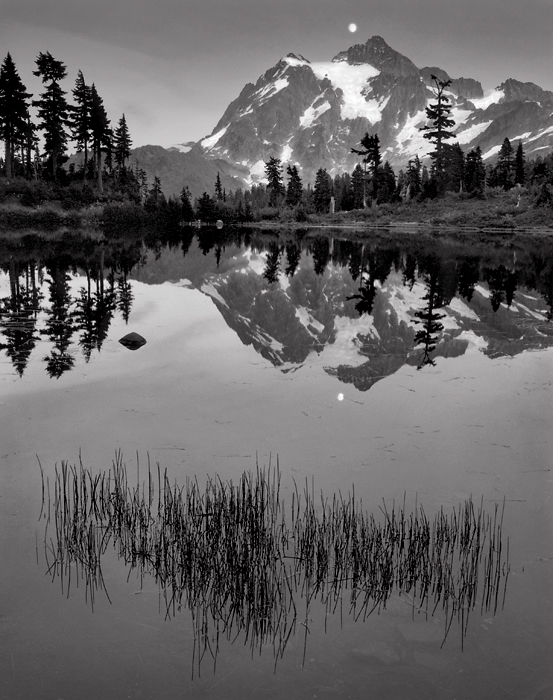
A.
x: 241, y: 561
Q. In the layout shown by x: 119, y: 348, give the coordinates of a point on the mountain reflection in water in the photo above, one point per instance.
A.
x: 381, y: 303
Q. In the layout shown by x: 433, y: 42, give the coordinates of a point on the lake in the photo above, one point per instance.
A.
x: 411, y: 371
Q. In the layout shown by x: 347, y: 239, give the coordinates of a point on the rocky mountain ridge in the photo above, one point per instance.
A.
x: 312, y: 114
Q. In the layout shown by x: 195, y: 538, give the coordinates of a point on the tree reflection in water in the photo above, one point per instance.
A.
x: 305, y: 289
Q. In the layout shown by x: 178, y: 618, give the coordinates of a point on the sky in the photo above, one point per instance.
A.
x: 173, y: 66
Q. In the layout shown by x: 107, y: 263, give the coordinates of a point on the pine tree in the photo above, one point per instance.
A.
x: 322, y: 192
x: 218, y: 188
x: 439, y: 131
x: 187, y: 212
x: 14, y: 110
x: 205, y: 208
x: 358, y: 187
x: 294, y: 189
x: 505, y: 168
x: 520, y: 163
x: 122, y: 144
x: 99, y: 124
x: 372, y: 159
x: 53, y: 109
x: 156, y: 198
x: 454, y: 167
x: 275, y: 186
x: 387, y: 183
x: 81, y: 131
x: 413, y: 178
x: 475, y: 171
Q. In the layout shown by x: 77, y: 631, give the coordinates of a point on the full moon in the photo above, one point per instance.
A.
x: 352, y: 27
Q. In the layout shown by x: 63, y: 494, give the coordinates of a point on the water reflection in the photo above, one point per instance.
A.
x: 289, y: 294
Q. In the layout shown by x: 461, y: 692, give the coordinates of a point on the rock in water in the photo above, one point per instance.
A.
x: 133, y: 341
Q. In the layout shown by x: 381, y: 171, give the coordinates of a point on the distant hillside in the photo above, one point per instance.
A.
x: 176, y: 169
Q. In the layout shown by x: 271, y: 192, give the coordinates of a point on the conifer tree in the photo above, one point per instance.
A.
x: 99, y: 124
x: 520, y: 163
x: 81, y: 131
x: 122, y: 144
x: 358, y: 187
x: 371, y: 158
x: 275, y: 186
x: 413, y: 178
x: 387, y: 183
x: 475, y: 171
x: 438, y: 113
x: 294, y: 189
x: 505, y: 168
x: 14, y: 110
x: 218, y: 188
x: 322, y: 192
x: 53, y: 109
x: 187, y: 212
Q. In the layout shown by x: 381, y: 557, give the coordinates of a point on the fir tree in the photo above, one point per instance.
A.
x: 387, y: 183
x: 438, y: 113
x: 218, y: 188
x: 53, y: 109
x: 413, y: 178
x: 121, y: 144
x: 156, y: 198
x: 294, y: 189
x: 358, y: 187
x: 322, y: 191
x: 99, y: 124
x: 454, y: 167
x: 275, y: 186
x: 205, y: 208
x: 187, y: 212
x: 505, y: 168
x: 475, y: 171
x: 81, y: 132
x: 520, y: 163
x: 14, y: 110
x: 372, y: 159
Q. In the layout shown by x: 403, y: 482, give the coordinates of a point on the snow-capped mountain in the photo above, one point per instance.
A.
x: 312, y: 114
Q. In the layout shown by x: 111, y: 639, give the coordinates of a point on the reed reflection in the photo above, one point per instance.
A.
x: 249, y: 566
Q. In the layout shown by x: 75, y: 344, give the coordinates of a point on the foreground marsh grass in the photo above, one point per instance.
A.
x: 243, y: 562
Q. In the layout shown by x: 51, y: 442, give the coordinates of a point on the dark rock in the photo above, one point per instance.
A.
x: 132, y: 341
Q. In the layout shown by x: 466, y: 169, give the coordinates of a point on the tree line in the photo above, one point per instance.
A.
x: 84, y: 122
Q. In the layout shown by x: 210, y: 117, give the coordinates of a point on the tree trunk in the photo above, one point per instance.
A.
x: 8, y: 156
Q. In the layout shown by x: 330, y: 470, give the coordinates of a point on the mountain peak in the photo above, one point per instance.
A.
x: 379, y: 54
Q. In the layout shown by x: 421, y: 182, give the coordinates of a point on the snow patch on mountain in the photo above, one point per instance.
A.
x: 521, y: 137
x: 471, y: 132
x: 490, y: 97
x: 210, y: 141
x: 312, y: 113
x: 410, y: 139
x: 352, y: 81
x: 491, y: 152
x: 271, y: 89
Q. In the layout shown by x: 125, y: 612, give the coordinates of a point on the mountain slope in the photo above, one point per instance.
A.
x: 177, y: 169
x: 312, y: 114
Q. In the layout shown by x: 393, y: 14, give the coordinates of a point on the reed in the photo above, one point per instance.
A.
x: 242, y: 563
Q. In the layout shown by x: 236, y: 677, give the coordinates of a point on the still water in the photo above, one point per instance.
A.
x: 410, y: 368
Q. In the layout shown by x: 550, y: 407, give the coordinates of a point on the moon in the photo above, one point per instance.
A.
x: 340, y: 397
x: 352, y: 27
